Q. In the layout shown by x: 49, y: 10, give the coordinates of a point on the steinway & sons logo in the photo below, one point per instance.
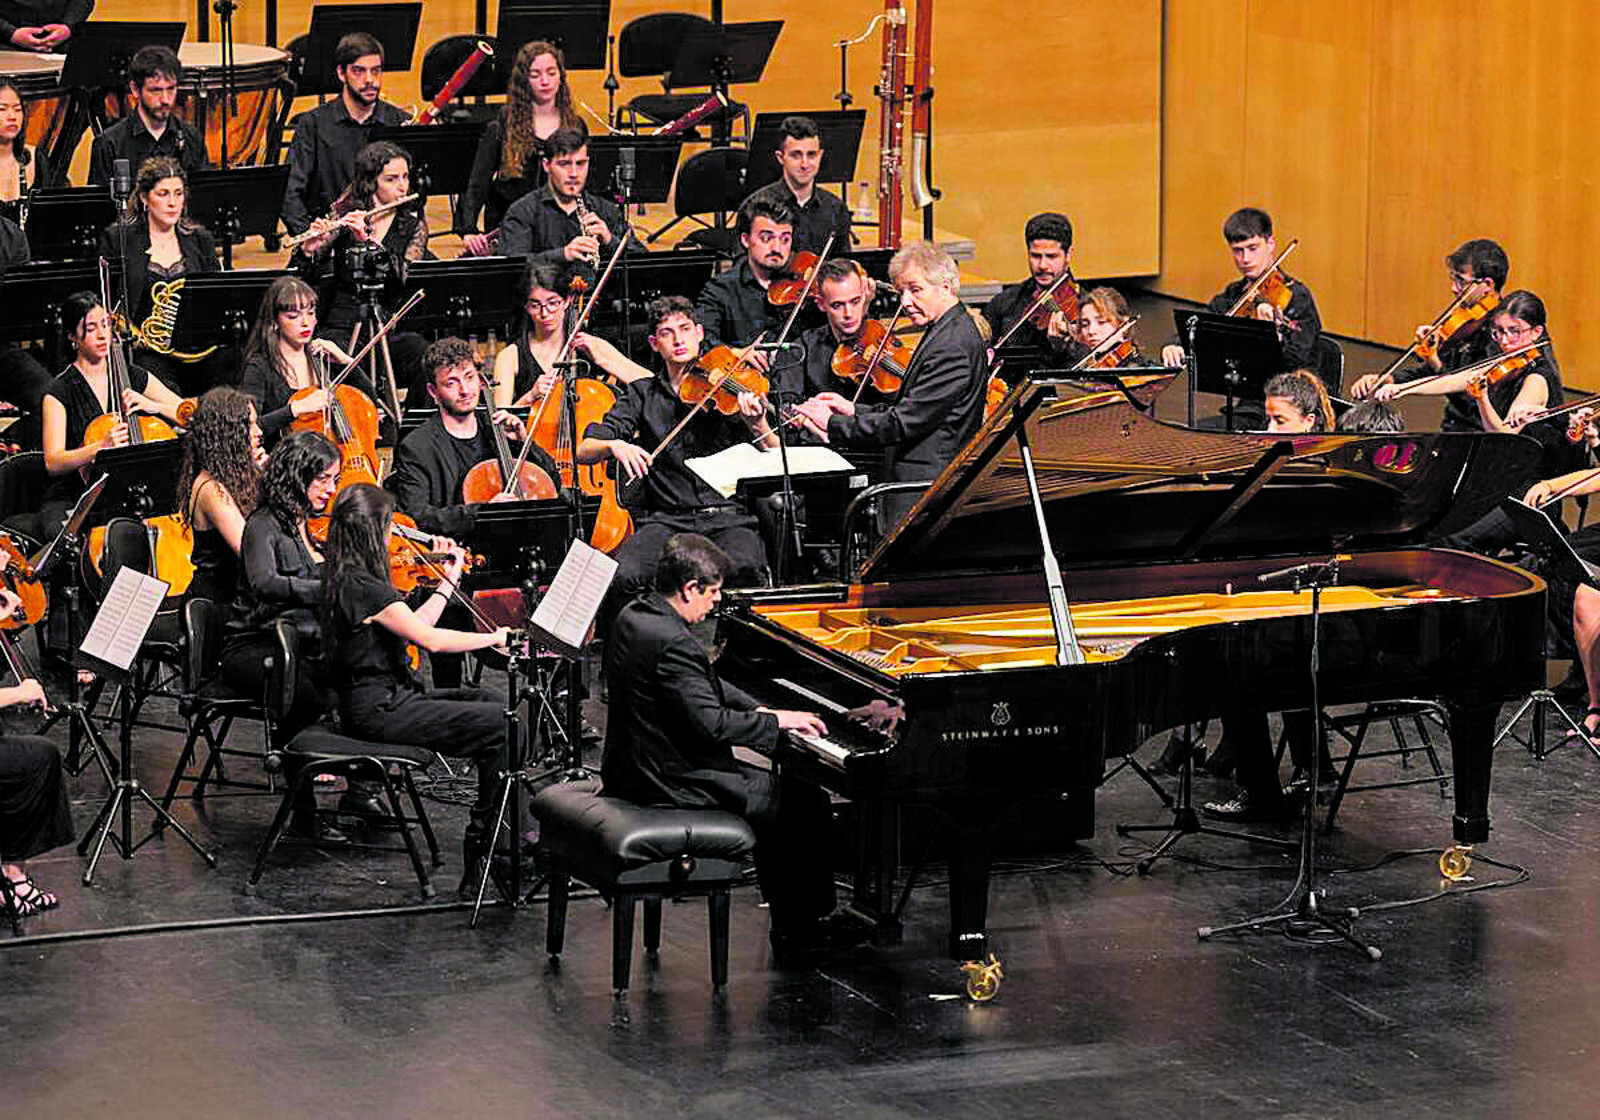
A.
x: 1000, y: 726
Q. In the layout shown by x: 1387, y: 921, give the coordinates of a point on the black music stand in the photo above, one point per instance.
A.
x: 393, y: 25
x: 723, y: 55
x: 467, y: 295
x: 840, y: 132
x: 1232, y: 357
x: 441, y: 154
x: 643, y: 277
x: 579, y: 29
x: 522, y: 541
x: 33, y: 294
x: 655, y: 165
x: 65, y: 223
x: 218, y: 308
x: 238, y: 202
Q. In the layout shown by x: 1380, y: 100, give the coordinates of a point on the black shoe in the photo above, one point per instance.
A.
x: 366, y: 807
x: 311, y: 828
x: 1245, y: 806
x: 1300, y: 782
x: 813, y: 942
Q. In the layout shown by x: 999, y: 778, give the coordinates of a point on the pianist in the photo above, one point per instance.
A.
x: 670, y: 735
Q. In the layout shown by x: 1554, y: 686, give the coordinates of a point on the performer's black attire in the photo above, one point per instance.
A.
x: 35, y: 816
x: 199, y: 255
x: 82, y: 407
x: 939, y: 407
x: 262, y: 383
x: 322, y: 158
x: 824, y: 213
x: 673, y: 499
x: 490, y: 191
x: 34, y: 172
x: 537, y: 226
x: 40, y: 13
x: 23, y: 380
x: 1028, y: 347
x: 733, y: 308
x: 670, y: 734
x: 129, y: 139
x: 431, y: 464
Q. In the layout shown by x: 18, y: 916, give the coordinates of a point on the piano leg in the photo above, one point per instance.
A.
x: 1472, y: 757
x: 969, y: 891
x: 877, y: 861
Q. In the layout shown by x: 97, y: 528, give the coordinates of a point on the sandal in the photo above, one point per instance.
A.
x: 27, y: 899
x: 1593, y: 732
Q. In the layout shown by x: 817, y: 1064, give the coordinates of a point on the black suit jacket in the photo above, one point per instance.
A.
x: 672, y: 724
x: 197, y: 246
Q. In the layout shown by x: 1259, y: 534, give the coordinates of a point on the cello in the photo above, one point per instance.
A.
x: 517, y: 478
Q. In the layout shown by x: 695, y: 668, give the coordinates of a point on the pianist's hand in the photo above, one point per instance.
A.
x: 804, y: 723
x: 1172, y: 356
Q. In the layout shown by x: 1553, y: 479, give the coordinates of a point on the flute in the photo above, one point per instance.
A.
x: 313, y: 232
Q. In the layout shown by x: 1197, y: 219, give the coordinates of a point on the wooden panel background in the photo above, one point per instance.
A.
x: 1383, y: 134
x: 1039, y: 106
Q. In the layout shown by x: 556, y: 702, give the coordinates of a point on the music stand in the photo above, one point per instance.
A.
x: 579, y: 29
x: 655, y: 165
x: 723, y: 55
x: 65, y: 223
x: 218, y: 308
x: 479, y: 293
x: 33, y: 294
x: 441, y: 154
x: 522, y: 541
x: 643, y: 277
x: 99, y: 51
x: 1233, y: 357
x: 393, y: 25
x: 238, y: 202
x: 839, y: 130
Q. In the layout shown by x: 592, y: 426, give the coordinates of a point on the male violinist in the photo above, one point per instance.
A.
x: 843, y: 291
x: 733, y: 307
x: 562, y: 222
x: 1048, y: 238
x: 673, y: 499
x: 817, y: 212
x: 941, y: 398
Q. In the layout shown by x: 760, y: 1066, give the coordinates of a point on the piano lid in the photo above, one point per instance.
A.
x: 1120, y: 486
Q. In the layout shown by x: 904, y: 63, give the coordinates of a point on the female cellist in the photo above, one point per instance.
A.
x: 221, y: 478
x: 277, y: 357
x: 524, y: 372
x: 367, y: 626
x: 80, y: 395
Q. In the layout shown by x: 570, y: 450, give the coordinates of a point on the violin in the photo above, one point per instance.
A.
x: 718, y: 377
x: 412, y: 561
x: 854, y: 359
x: 1508, y: 367
x: 1063, y: 298
x: 16, y: 575
x: 1457, y: 316
x: 1119, y: 355
x: 1271, y: 288
x: 489, y: 479
x: 993, y: 394
x: 786, y: 290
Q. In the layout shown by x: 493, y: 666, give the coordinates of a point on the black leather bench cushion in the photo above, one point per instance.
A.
x: 609, y: 835
x: 324, y: 742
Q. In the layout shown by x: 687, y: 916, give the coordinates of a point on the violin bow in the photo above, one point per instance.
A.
x: 877, y: 355
x: 744, y: 356
x: 1388, y: 374
x: 1255, y: 285
x: 451, y: 588
x: 377, y: 336
x: 1474, y: 367
x: 1107, y: 344
x: 1048, y: 293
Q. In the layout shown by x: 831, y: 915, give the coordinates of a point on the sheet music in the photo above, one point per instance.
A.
x: 567, y: 609
x: 124, y: 618
x: 724, y: 470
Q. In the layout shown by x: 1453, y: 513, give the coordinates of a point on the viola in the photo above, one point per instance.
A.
x: 786, y: 290
x: 1064, y: 298
x: 718, y: 377
x: 854, y: 359
x: 1460, y: 314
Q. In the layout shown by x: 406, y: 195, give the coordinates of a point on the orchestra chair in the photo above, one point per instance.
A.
x: 1329, y: 358
x: 209, y: 707
x: 22, y: 485
x: 439, y: 64
x: 159, y: 664
x: 648, y: 47
x: 319, y: 749
x: 709, y: 182
x: 1352, y: 727
x: 630, y: 853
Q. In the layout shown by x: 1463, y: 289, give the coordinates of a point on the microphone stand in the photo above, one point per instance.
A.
x: 1303, y: 913
x: 225, y: 10
x: 626, y: 172
x: 1192, y: 361
x: 788, y: 521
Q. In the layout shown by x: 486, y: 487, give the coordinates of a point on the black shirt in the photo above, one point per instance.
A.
x: 13, y: 245
x: 1303, y: 324
x: 535, y: 225
x: 1468, y: 345
x: 1010, y: 305
x: 362, y: 653
x: 734, y: 309
x: 82, y: 407
x: 431, y: 464
x: 337, y: 293
x: 490, y: 191
x: 322, y: 159
x: 129, y: 139
x: 38, y: 13
x: 278, y: 576
x: 198, y: 254
x: 646, y: 410
x: 823, y: 213
x: 39, y: 168
x: 264, y: 384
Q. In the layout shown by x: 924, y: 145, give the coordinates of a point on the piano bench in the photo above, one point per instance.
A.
x: 630, y: 853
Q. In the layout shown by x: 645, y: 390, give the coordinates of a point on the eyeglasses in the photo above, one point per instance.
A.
x: 549, y: 306
x: 1510, y: 332
x: 1459, y: 280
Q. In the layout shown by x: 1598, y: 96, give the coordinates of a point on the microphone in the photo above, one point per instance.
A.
x: 1300, y: 571
x: 625, y: 166
x: 121, y: 180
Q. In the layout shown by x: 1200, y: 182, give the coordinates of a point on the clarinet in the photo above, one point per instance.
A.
x: 25, y: 192
x: 592, y: 259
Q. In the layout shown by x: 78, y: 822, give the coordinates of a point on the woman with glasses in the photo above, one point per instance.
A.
x: 525, y: 372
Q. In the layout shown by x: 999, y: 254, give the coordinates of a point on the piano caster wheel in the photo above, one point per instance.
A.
x: 1454, y: 862
x: 983, y: 979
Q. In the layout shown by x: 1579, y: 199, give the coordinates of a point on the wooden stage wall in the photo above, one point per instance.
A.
x: 1383, y: 133
x: 1039, y: 106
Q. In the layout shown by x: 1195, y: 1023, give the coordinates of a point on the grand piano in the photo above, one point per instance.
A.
x: 1084, y: 575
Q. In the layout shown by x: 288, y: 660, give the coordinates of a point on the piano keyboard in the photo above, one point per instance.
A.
x: 831, y: 752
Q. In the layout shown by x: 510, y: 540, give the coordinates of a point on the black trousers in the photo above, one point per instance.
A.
x: 244, y: 669
x: 456, y: 722
x: 34, y: 814
x: 1250, y: 742
x: 790, y: 820
x: 735, y: 532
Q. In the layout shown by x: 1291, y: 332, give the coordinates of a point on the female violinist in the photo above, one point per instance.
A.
x: 1100, y: 312
x: 277, y: 358
x: 523, y: 371
x: 159, y: 245
x: 356, y: 248
x: 367, y: 626
x: 80, y: 395
x: 221, y: 479
x: 508, y: 162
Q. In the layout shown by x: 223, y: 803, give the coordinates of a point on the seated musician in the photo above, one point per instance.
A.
x: 280, y: 576
x: 563, y: 221
x: 322, y: 157
x: 23, y: 380
x: 1574, y: 608
x: 1253, y: 248
x: 355, y: 249
x: 22, y: 165
x: 41, y: 25
x: 80, y: 395
x: 278, y: 356
x: 524, y: 372
x: 367, y: 626
x: 1100, y: 312
x: 1297, y: 402
x: 1371, y: 417
x: 671, y: 733
x: 941, y: 398
x: 158, y: 244
x: 1477, y: 260
x: 817, y: 212
x: 151, y: 128
x: 673, y: 498
x: 510, y: 153
x: 733, y: 306
x: 220, y: 483
x: 1048, y: 239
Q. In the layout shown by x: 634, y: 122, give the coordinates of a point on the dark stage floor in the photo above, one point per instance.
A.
x: 1482, y: 1005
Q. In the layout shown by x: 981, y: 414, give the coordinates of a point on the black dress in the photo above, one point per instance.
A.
x: 34, y: 814
x: 82, y: 407
x: 216, y: 568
